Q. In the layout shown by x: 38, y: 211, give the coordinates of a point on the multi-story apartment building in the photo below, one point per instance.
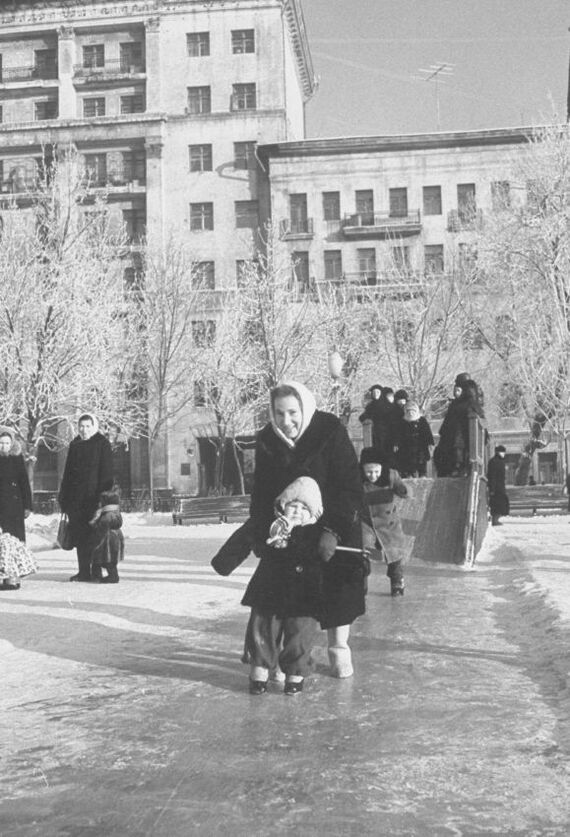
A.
x: 166, y: 102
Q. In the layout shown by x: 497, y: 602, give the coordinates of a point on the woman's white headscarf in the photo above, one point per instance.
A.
x: 308, y: 407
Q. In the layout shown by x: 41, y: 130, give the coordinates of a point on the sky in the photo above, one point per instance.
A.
x: 509, y: 64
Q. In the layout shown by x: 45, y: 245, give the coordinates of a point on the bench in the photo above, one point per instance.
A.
x: 230, y: 508
x: 537, y: 499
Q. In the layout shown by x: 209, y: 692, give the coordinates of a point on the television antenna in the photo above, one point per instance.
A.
x: 436, y: 73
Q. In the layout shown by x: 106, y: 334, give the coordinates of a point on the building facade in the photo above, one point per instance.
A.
x: 166, y: 101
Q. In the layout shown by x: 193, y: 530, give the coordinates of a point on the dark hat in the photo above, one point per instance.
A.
x: 368, y: 455
x: 376, y: 386
x: 387, y: 391
x: 401, y: 394
x: 461, y: 378
x: 500, y: 449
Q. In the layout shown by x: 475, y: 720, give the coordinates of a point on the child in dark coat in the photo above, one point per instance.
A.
x: 108, y: 539
x: 416, y: 439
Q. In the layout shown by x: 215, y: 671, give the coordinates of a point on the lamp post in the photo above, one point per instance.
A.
x: 336, y: 364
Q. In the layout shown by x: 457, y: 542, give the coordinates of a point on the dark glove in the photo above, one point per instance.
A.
x: 328, y: 543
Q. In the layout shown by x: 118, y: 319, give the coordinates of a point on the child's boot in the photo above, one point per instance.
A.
x: 112, y: 576
x: 258, y: 677
x: 340, y: 657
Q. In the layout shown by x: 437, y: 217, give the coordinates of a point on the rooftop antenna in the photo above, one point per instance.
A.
x: 436, y: 72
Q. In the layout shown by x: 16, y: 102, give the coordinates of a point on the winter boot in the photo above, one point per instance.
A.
x: 340, y: 657
x: 112, y: 576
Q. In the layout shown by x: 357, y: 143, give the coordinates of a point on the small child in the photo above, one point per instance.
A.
x: 108, y: 539
x: 415, y: 442
x: 383, y: 532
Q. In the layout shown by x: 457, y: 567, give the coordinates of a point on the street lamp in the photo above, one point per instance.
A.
x: 336, y: 364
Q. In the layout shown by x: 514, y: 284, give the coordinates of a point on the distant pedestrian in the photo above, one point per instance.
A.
x: 567, y: 489
x: 416, y: 441
x: 15, y: 506
x: 496, y: 483
x: 382, y: 531
x: 87, y: 473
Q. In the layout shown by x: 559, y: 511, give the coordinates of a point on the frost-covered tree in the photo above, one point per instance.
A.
x: 66, y: 317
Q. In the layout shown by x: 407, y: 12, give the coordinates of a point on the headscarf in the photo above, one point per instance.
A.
x: 93, y: 418
x: 308, y: 407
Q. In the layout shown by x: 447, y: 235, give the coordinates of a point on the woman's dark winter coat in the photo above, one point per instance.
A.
x: 15, y: 495
x: 496, y: 483
x: 415, y: 439
x: 294, y: 581
x: 88, y: 471
x: 451, y: 456
x: 385, y: 418
x: 383, y: 531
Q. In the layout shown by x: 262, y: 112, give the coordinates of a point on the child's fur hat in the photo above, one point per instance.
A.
x: 369, y: 455
x: 305, y: 490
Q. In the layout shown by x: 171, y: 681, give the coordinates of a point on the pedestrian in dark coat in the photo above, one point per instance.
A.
x: 88, y: 471
x: 416, y: 439
x: 385, y: 416
x: 108, y: 539
x: 496, y: 483
x: 451, y: 456
x: 311, y: 579
x: 15, y: 499
x: 382, y: 532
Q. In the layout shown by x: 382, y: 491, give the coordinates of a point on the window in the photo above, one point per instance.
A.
x: 45, y: 63
x: 1, y: 111
x: 203, y: 276
x: 404, y: 335
x: 244, y: 97
x: 331, y: 206
x: 132, y: 104
x: 333, y: 265
x: 203, y: 333
x: 365, y: 206
x: 367, y: 265
x: 96, y: 169
x: 247, y: 214
x: 300, y: 260
x: 298, y: 213
x: 243, y: 40
x: 198, y: 44
x: 45, y: 110
x: 432, y: 200
x: 500, y: 195
x: 131, y: 56
x: 504, y: 334
x: 134, y: 165
x: 94, y: 107
x: 199, y: 100
x: 244, y: 269
x: 135, y: 224
x: 472, y: 338
x: 401, y: 258
x: 200, y: 157
x: 94, y: 56
x: 398, y: 203
x: 201, y: 216
x: 467, y: 258
x: 466, y: 205
x: 433, y: 259
x: 244, y: 155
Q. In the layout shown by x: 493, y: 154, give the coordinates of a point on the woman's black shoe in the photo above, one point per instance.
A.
x: 80, y: 577
x: 397, y: 590
x: 257, y: 687
x: 7, y: 585
x: 293, y: 688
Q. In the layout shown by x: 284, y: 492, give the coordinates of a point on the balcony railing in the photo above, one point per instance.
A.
x: 363, y: 284
x: 33, y: 73
x: 469, y: 219
x: 382, y: 223
x: 117, y: 177
x: 296, y: 228
x: 109, y: 69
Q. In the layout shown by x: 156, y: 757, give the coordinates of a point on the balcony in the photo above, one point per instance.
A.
x: 464, y: 219
x: 16, y: 75
x: 382, y: 224
x: 125, y: 178
x: 297, y: 228
x: 109, y: 71
x: 363, y: 285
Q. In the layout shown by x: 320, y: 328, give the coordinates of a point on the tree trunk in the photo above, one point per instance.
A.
x: 238, y: 466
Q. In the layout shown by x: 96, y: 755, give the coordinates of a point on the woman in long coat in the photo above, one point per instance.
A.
x: 451, y: 456
x: 88, y: 471
x: 496, y: 483
x: 309, y: 581
x: 15, y: 500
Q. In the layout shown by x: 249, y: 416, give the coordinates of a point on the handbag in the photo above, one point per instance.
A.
x: 64, y: 536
